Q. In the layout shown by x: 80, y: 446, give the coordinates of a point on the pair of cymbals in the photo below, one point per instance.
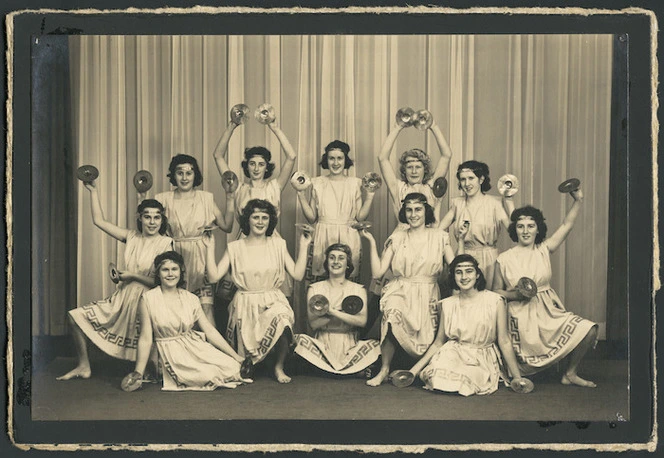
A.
x: 421, y: 119
x: 371, y: 181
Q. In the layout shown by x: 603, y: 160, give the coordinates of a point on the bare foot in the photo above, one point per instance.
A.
x: 573, y: 379
x: 281, y: 376
x: 378, y: 379
x: 77, y: 372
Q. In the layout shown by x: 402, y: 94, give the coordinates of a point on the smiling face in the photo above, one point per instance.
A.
x: 414, y: 171
x: 336, y: 160
x: 184, y: 177
x: 469, y: 182
x: 257, y: 167
x: 169, y: 274
x: 337, y: 263
x: 465, y: 276
x: 415, y: 214
x: 526, y: 230
x: 259, y: 222
x: 151, y: 221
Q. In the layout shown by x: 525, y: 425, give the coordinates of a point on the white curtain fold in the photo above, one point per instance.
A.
x: 537, y: 106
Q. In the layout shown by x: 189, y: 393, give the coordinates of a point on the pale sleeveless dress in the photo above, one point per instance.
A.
x: 188, y: 361
x: 335, y: 347
x: 259, y: 312
x: 406, y: 300
x: 111, y: 324
x: 542, y: 331
x: 469, y: 361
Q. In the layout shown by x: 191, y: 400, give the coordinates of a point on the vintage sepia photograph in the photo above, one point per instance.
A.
x: 247, y: 218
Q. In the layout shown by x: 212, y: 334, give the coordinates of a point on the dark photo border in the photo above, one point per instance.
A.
x: 631, y: 176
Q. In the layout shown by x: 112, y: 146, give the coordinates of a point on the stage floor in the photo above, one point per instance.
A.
x: 310, y: 396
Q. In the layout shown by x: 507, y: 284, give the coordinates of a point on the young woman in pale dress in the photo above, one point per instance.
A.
x: 335, y: 346
x: 408, y: 303
x: 485, y: 213
x: 191, y: 360
x: 545, y: 331
x: 463, y: 358
x: 336, y: 202
x: 260, y: 317
x: 189, y: 210
x: 111, y: 323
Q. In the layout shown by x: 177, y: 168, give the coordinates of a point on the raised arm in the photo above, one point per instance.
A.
x: 365, y: 206
x: 389, y: 174
x: 309, y: 208
x: 225, y: 220
x: 222, y: 147
x: 378, y: 265
x: 433, y: 348
x: 358, y: 320
x: 445, y: 152
x: 297, y: 269
x: 215, y: 272
x: 287, y: 166
x: 144, y: 338
x: 505, y: 342
x: 508, y: 206
x: 118, y: 233
x: 448, y: 219
x: 563, y: 231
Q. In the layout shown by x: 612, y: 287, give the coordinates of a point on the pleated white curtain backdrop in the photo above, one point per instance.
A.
x: 537, y: 106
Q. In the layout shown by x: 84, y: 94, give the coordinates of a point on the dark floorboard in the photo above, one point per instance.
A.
x: 314, y: 397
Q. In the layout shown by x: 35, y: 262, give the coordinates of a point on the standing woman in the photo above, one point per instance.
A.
x: 415, y: 171
x: 416, y: 255
x: 485, y: 214
x: 191, y: 360
x: 547, y: 333
x: 336, y: 202
x: 111, y: 323
x: 259, y: 314
x: 335, y: 346
x: 189, y: 210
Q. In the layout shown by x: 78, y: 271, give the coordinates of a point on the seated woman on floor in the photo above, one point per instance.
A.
x: 191, y: 360
x: 463, y: 358
x: 335, y: 347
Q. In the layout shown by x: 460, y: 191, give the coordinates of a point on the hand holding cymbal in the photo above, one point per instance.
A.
x: 265, y: 114
x: 405, y: 117
x: 87, y: 173
x: 132, y: 382
x: 508, y: 185
x: 239, y: 113
x: 372, y: 182
x: 526, y: 287
x: 352, y: 305
x: 423, y: 120
x: 113, y: 273
x: 300, y: 180
x: 569, y: 186
x: 143, y: 181
x: 319, y: 305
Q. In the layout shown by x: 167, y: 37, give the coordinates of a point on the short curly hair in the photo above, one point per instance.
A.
x: 260, y: 205
x: 480, y: 169
x: 170, y: 256
x: 421, y: 156
x: 262, y: 152
x: 152, y: 203
x: 429, y: 217
x: 536, y: 215
x: 180, y: 159
x: 349, y: 258
x: 480, y: 284
x: 341, y: 146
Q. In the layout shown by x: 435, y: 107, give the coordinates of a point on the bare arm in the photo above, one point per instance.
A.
x: 222, y: 147
x: 563, y: 231
x: 118, y: 233
x: 287, y: 166
x: 144, y: 339
x: 309, y: 208
x: 505, y: 343
x: 448, y: 219
x: 389, y: 174
x: 378, y: 265
x: 365, y: 206
x: 225, y: 220
x: 499, y: 285
x: 358, y: 320
x: 215, y: 272
x: 132, y: 276
x: 445, y: 152
x: 508, y: 206
x: 433, y: 349
x: 298, y: 268
x: 213, y: 336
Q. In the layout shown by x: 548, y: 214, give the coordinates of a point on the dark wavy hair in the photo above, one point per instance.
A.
x: 262, y: 152
x: 261, y: 205
x: 480, y: 284
x: 343, y: 147
x: 429, y: 217
x: 170, y: 256
x: 421, y: 156
x: 536, y: 215
x: 349, y: 257
x: 180, y: 159
x: 152, y: 203
x: 480, y: 169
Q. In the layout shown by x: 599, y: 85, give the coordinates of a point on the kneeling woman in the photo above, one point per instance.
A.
x: 191, y: 360
x: 464, y: 358
x: 335, y: 347
x: 259, y: 314
x: 410, y: 310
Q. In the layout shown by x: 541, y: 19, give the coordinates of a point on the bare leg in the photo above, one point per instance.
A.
x: 208, y: 309
x: 82, y: 370
x: 387, y: 349
x: 282, y: 351
x: 570, y: 377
